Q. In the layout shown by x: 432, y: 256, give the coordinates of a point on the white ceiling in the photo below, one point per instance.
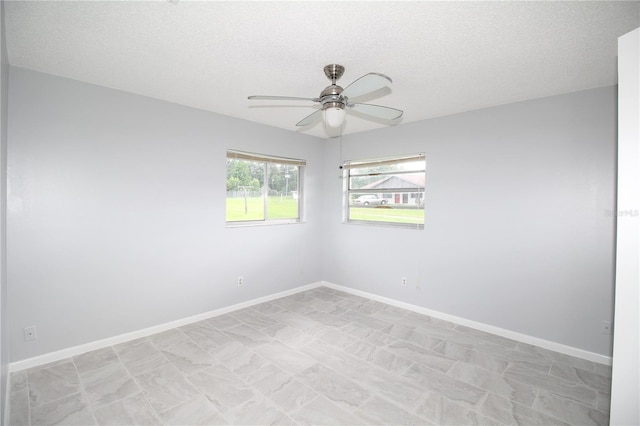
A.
x: 444, y: 57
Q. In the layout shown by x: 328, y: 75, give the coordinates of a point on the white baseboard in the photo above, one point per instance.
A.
x: 103, y: 343
x: 524, y: 338
x: 122, y: 338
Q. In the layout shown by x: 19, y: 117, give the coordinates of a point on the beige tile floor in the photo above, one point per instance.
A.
x: 317, y: 357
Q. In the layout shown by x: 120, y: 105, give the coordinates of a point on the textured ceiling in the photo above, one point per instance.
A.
x: 443, y: 57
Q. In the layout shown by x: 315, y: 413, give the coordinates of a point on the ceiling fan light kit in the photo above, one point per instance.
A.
x: 334, y: 100
x: 334, y: 116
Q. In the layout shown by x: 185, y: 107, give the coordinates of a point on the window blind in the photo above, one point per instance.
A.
x: 239, y: 155
x: 382, y: 162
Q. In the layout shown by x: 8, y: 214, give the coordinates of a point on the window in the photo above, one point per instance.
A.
x: 262, y: 188
x: 386, y: 191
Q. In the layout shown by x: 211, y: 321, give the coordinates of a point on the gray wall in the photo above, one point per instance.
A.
x: 116, y: 216
x: 4, y: 345
x: 519, y: 231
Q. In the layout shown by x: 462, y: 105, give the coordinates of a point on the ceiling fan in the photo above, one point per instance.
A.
x: 335, y: 100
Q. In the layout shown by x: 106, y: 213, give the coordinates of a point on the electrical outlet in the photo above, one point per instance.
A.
x: 240, y: 281
x: 606, y: 327
x: 404, y: 281
x: 30, y: 333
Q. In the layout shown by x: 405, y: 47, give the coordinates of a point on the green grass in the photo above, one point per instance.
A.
x: 387, y: 215
x: 278, y: 208
x: 287, y: 208
x: 282, y: 208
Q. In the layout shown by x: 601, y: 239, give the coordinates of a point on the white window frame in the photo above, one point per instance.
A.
x: 350, y: 165
x: 269, y: 159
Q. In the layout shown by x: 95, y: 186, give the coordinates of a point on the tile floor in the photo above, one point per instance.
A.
x: 317, y: 357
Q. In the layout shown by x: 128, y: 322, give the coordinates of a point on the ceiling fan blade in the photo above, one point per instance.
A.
x: 366, y: 84
x: 282, y: 98
x: 309, y: 118
x: 377, y: 111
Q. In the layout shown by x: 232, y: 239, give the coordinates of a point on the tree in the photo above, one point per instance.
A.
x: 256, y: 171
x: 239, y: 169
x: 233, y: 183
x: 251, y: 174
x: 278, y: 180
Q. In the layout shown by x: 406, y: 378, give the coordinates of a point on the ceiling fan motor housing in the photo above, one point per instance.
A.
x: 331, y: 98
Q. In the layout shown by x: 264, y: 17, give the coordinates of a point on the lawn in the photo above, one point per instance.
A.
x: 278, y: 208
x: 287, y: 208
x: 387, y: 215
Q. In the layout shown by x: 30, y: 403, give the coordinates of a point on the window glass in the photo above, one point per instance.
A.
x: 386, y: 191
x: 282, y: 202
x: 263, y: 188
x: 244, y: 190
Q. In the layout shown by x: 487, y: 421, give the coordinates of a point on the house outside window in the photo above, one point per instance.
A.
x: 387, y: 191
x: 263, y: 189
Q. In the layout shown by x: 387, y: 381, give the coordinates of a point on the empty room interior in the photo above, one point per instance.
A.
x: 319, y: 213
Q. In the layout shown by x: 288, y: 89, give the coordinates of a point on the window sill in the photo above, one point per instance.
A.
x: 250, y: 224
x: 415, y: 226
